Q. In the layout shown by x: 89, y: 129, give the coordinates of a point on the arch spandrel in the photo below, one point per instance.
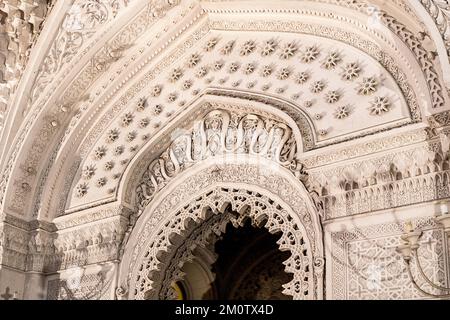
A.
x: 226, y: 130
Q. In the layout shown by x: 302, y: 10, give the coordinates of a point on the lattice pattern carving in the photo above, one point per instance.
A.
x: 252, y: 205
x: 366, y: 266
x: 205, y: 234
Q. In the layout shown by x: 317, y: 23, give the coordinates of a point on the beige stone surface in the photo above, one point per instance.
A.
x: 131, y: 131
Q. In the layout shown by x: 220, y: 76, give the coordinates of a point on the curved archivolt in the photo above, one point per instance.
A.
x: 252, y: 205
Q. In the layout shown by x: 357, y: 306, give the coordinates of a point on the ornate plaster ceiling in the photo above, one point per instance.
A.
x: 343, y: 91
x: 109, y: 87
x: 20, y: 24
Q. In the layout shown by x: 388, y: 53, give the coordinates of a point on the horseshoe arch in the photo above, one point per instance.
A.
x: 228, y: 160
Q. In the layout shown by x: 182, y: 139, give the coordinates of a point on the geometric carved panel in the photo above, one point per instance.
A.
x: 366, y: 266
x: 81, y: 286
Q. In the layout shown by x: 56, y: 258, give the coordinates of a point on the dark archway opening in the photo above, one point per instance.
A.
x: 249, y: 266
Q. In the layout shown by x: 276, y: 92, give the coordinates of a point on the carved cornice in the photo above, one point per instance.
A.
x: 88, y: 243
x: 28, y: 225
x: 88, y: 216
x: 414, y: 174
x: 88, y: 237
x: 339, y: 154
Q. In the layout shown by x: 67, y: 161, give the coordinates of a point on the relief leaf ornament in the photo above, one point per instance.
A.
x: 266, y: 71
x: 220, y: 132
x: 81, y: 190
x: 141, y: 104
x: 440, y: 12
x: 118, y: 150
x: 218, y: 65
x: 233, y: 67
x: 187, y: 84
x: 247, y: 48
x: 284, y: 73
x: 249, y: 68
x: 317, y: 87
x: 379, y: 106
x: 193, y: 60
x: 309, y: 55
x: 156, y: 91
x: 350, y: 71
x: 227, y: 48
x: 99, y: 153
x: 112, y: 135
x: 88, y: 172
x: 175, y: 75
x: 302, y: 77
x: 109, y: 166
x: 210, y: 45
x: 332, y: 97
x: 100, y: 182
x: 127, y: 119
x: 202, y: 72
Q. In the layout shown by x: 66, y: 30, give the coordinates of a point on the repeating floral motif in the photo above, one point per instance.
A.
x: 283, y: 74
x: 321, y: 132
x: 440, y: 12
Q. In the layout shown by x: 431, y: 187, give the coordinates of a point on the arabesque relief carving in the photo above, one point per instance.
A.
x: 221, y: 133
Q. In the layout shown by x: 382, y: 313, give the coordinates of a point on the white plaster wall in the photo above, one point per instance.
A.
x: 362, y: 262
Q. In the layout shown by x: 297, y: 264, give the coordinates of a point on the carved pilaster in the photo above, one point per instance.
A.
x: 88, y: 237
